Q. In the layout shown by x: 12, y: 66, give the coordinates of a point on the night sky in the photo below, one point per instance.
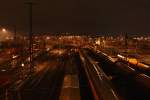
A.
x: 78, y: 15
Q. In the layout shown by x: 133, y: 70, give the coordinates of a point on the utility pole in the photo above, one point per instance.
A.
x: 30, y: 5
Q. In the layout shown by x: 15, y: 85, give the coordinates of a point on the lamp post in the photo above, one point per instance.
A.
x: 30, y: 5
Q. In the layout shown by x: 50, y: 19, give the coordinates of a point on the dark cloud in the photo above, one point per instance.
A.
x: 78, y: 15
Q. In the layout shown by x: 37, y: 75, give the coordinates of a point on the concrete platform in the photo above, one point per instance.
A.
x: 70, y: 89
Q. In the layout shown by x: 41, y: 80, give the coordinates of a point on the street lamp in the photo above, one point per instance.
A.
x: 30, y: 5
x: 22, y: 64
x: 3, y: 30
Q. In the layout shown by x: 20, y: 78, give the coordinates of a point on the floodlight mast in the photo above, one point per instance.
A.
x: 30, y: 10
